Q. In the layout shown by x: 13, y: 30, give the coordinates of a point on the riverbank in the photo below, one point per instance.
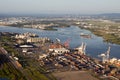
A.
x: 66, y: 33
x: 36, y: 66
x: 108, y: 30
x: 109, y: 38
x: 42, y: 25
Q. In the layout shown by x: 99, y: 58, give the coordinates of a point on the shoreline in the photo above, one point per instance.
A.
x: 71, y: 61
x: 113, y: 40
x: 108, y: 38
x: 88, y: 51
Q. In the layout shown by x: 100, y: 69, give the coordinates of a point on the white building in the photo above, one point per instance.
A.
x: 38, y: 39
x: 25, y: 35
x: 59, y: 50
x: 42, y: 56
x: 20, y: 36
x: 113, y: 60
x: 26, y: 46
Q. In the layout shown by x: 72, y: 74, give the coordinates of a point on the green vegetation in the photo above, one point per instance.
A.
x: 108, y: 30
x: 8, y: 44
x: 103, y: 24
x: 50, y: 29
x: 7, y: 70
x: 19, y: 24
x: 111, y: 38
x: 11, y: 73
x: 60, y: 23
x: 31, y: 69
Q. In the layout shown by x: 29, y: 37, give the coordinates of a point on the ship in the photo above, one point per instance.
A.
x: 85, y: 35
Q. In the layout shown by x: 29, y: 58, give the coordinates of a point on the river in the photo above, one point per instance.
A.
x: 95, y: 45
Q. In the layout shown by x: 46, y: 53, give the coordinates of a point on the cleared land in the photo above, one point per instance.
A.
x: 74, y: 75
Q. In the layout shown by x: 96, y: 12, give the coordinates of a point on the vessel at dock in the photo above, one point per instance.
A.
x: 85, y: 35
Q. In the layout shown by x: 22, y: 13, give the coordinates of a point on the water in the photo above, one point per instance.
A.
x: 95, y: 46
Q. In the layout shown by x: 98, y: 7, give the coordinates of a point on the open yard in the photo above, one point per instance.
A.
x: 74, y: 75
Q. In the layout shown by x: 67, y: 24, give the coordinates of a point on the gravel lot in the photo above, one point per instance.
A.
x: 74, y: 75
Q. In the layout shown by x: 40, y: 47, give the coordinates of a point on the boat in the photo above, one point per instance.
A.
x: 85, y: 35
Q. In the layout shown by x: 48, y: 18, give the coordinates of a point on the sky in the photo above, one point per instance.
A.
x: 59, y: 6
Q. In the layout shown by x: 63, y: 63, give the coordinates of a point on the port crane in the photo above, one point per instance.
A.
x: 66, y: 43
x: 82, y: 48
x: 105, y: 56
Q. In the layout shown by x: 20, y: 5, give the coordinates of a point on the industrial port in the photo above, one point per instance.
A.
x: 59, y: 39
x: 57, y: 58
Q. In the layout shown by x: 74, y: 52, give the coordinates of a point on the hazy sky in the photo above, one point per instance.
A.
x: 60, y: 6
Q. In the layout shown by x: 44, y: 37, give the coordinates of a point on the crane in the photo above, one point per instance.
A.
x: 105, y: 56
x: 66, y: 43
